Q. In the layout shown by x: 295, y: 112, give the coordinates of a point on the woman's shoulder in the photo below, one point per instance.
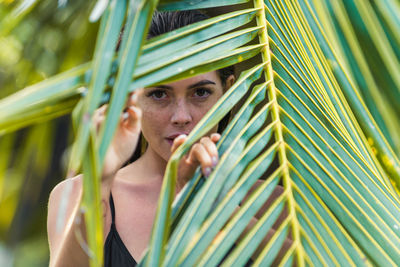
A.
x: 68, y: 186
x: 63, y: 198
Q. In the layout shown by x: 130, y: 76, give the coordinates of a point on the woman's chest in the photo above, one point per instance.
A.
x: 134, y: 217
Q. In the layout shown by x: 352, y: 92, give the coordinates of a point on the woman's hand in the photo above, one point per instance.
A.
x: 203, y: 153
x: 125, y: 138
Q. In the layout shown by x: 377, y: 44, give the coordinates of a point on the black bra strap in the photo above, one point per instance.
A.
x: 112, y: 208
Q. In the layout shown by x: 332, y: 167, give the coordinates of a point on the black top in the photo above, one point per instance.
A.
x: 115, y: 252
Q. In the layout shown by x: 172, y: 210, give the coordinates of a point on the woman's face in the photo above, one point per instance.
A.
x: 173, y: 109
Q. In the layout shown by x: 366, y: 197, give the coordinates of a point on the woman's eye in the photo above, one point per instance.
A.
x: 202, y: 92
x: 158, y: 94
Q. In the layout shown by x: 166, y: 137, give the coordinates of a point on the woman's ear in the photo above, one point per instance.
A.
x: 229, y: 82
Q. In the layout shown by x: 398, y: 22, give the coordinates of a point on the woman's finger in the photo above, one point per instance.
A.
x: 99, y: 114
x: 130, y: 99
x: 101, y: 110
x: 215, y: 137
x: 178, y: 141
x: 199, y: 155
x: 133, y: 97
x: 98, y: 120
x: 211, y: 149
x: 134, y: 117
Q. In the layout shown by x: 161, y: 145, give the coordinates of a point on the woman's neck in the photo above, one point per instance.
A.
x: 149, y: 168
x: 153, y: 161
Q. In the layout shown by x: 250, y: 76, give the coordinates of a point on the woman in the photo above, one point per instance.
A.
x: 165, y: 115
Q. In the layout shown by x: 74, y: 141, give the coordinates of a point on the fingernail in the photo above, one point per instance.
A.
x: 134, y: 97
x: 214, y: 161
x: 182, y: 136
x: 215, y: 135
x: 207, y: 171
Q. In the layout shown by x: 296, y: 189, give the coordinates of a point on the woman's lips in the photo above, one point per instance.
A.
x: 170, y: 139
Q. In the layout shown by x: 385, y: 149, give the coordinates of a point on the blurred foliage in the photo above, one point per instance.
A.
x: 35, y: 45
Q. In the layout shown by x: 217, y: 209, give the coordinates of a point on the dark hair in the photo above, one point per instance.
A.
x: 163, y: 22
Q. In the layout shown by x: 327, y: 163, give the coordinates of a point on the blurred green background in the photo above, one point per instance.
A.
x: 37, y: 40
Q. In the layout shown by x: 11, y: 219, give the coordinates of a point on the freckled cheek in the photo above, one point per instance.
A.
x: 197, y: 116
x: 199, y: 112
x: 153, y: 123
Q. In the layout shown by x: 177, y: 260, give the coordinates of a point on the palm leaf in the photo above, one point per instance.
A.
x: 168, y: 5
x: 69, y: 84
x: 325, y: 162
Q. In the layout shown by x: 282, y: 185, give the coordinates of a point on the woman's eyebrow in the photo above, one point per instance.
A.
x: 163, y: 87
x: 201, y: 83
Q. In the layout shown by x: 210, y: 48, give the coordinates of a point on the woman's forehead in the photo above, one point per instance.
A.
x: 209, y: 78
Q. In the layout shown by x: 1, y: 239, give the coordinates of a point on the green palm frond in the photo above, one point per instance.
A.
x: 365, y: 36
x: 326, y: 167
x: 318, y: 118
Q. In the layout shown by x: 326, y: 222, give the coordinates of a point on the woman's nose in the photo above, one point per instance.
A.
x: 181, y: 115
